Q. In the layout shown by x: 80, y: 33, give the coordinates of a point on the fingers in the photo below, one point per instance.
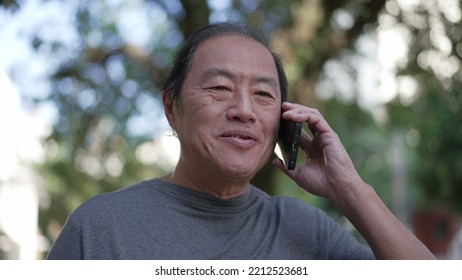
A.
x: 321, y: 130
x: 299, y: 113
x: 305, y: 140
x: 311, y: 146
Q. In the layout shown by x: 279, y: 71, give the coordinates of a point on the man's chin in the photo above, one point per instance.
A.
x: 240, y: 172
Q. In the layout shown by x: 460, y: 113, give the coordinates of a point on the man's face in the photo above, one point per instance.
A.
x: 227, y: 115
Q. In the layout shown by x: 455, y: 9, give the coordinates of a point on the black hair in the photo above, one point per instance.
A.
x: 184, y: 57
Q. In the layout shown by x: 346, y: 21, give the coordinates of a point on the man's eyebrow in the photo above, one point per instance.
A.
x: 217, y: 71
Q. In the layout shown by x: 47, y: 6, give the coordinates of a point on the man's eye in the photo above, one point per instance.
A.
x: 263, y: 94
x: 220, y: 88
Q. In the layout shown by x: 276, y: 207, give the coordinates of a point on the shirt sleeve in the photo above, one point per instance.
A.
x: 323, y: 237
x: 68, y: 245
x: 344, y: 246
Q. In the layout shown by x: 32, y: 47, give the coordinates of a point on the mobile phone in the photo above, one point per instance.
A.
x: 289, y: 139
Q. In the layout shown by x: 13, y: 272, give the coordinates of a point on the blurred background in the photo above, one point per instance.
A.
x: 80, y: 109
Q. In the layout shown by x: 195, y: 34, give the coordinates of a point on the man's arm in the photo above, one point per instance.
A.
x: 329, y: 172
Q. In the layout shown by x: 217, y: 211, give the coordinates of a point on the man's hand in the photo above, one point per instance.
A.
x: 328, y: 169
x: 329, y: 172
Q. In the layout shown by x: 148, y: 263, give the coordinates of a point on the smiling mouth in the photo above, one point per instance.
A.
x: 240, y: 139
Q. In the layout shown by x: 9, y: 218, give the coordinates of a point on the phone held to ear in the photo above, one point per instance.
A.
x: 289, y: 139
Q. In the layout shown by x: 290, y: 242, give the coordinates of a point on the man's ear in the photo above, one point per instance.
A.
x: 169, y: 104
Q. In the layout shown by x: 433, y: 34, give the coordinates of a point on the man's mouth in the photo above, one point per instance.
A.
x: 240, y: 138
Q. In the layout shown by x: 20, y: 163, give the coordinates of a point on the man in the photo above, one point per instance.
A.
x: 224, y: 98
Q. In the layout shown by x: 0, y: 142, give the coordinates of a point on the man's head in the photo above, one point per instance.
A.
x: 183, y: 60
x: 223, y: 99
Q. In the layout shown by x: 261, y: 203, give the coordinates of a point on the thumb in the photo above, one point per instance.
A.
x: 280, y: 164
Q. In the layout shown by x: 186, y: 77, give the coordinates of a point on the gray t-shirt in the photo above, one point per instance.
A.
x: 158, y: 220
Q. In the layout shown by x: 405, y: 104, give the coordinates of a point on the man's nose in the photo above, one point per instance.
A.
x: 242, y: 108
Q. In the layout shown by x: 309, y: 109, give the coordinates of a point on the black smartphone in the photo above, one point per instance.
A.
x: 289, y: 139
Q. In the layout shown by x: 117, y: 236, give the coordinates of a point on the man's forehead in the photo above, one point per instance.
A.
x: 219, y: 53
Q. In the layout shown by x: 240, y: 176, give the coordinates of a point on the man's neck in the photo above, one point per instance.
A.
x: 218, y: 186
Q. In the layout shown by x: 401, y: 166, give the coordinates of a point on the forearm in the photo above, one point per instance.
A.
x: 387, y: 236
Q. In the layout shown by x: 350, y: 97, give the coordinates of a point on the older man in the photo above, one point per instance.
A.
x: 224, y: 99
